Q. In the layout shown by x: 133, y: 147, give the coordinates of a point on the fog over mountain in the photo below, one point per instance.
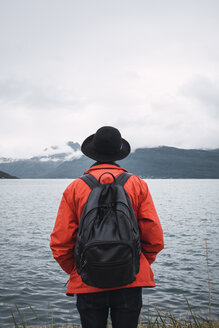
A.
x: 157, y: 162
x: 61, y: 152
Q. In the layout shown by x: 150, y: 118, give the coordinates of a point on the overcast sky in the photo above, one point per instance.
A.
x: 149, y: 68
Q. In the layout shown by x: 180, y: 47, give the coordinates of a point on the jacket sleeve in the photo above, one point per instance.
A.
x: 63, y: 236
x: 151, y: 232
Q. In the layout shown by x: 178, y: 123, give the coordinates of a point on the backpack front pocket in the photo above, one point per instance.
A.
x: 107, y: 276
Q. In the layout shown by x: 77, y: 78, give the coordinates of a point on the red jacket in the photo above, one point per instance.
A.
x: 64, y: 234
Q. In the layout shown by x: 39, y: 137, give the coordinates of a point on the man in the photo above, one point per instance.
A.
x: 106, y: 147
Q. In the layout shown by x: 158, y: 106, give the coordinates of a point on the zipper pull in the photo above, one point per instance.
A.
x: 83, y: 265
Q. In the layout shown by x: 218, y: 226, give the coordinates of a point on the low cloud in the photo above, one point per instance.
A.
x: 205, y: 92
x: 34, y: 96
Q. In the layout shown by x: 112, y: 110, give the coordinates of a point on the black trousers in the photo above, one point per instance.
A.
x: 124, y: 306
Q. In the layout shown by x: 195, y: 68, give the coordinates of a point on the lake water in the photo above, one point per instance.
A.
x: 189, y: 213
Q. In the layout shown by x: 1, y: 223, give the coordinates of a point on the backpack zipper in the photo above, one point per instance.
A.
x: 114, y: 263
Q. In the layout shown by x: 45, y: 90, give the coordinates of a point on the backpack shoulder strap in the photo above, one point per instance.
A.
x: 122, y: 178
x: 90, y: 180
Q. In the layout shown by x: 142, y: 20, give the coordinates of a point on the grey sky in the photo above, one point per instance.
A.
x: 68, y: 67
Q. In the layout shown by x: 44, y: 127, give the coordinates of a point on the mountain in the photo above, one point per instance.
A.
x: 71, y: 169
x: 170, y: 162
x: 42, y: 165
x: 4, y: 175
x: 159, y: 162
x: 29, y: 168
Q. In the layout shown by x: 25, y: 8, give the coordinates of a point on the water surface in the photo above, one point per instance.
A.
x: 189, y: 213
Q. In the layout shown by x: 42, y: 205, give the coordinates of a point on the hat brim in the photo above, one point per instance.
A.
x: 89, y: 150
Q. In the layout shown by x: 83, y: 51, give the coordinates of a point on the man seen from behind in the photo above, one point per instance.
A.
x: 123, y: 301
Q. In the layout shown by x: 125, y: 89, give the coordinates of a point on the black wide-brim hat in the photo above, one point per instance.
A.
x: 106, y: 145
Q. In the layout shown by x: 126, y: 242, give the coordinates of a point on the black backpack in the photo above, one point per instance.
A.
x: 107, y: 251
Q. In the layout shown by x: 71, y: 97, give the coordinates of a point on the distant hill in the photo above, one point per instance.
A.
x: 4, y: 175
x: 71, y: 169
x: 30, y: 168
x: 159, y: 162
x: 170, y: 162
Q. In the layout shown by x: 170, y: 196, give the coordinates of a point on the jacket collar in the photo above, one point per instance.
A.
x: 100, y: 166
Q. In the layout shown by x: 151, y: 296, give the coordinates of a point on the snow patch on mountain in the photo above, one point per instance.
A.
x: 7, y: 160
x: 59, y: 152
